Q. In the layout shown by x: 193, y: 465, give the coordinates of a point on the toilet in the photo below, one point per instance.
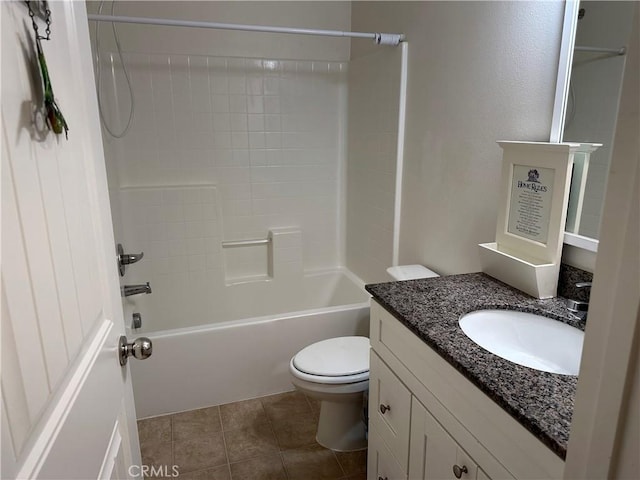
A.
x: 336, y: 372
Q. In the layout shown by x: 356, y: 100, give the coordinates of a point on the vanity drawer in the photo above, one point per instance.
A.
x: 381, y: 464
x: 389, y: 409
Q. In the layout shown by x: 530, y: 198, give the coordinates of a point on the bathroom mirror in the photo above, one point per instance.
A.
x: 591, y: 67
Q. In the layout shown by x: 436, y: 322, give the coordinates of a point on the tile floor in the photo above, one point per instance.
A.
x: 268, y: 438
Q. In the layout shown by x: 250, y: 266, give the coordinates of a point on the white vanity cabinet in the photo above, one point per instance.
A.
x: 381, y: 464
x: 427, y: 421
x: 405, y: 441
x: 434, y: 453
x: 390, y: 409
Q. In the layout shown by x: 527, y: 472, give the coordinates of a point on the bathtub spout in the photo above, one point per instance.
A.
x: 129, y: 290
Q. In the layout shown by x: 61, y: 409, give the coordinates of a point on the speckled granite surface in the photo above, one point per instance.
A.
x: 567, y: 280
x: 431, y: 308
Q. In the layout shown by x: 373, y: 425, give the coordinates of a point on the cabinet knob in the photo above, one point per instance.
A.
x: 384, y: 408
x: 381, y: 478
x: 458, y: 470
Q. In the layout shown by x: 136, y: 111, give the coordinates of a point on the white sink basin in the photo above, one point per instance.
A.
x: 526, y: 339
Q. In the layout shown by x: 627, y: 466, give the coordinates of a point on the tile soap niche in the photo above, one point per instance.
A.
x: 536, y: 178
x: 247, y: 260
x: 275, y: 256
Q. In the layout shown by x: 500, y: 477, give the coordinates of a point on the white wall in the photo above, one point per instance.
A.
x: 596, y: 81
x: 478, y: 72
x: 374, y: 94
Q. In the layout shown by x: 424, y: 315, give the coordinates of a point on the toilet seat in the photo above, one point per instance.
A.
x: 338, y: 360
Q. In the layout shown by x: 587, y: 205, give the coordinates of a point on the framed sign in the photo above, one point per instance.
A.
x: 536, y: 178
x: 530, y: 202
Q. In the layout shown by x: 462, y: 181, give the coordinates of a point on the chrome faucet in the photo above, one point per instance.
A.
x: 129, y: 290
x: 125, y: 259
x: 579, y: 308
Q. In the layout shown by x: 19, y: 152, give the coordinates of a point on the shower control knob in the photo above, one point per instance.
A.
x: 140, y: 348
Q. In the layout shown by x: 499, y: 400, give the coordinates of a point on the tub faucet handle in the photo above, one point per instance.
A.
x: 125, y: 259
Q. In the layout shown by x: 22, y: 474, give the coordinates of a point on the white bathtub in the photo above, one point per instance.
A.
x: 221, y: 362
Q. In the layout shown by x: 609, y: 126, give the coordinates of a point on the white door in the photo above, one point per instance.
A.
x: 67, y: 405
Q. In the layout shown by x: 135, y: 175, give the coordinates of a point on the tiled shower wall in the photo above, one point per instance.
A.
x: 265, y: 135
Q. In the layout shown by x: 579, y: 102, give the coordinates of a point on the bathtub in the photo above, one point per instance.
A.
x: 235, y: 359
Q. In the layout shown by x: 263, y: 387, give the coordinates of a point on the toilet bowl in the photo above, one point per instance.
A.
x: 336, y: 372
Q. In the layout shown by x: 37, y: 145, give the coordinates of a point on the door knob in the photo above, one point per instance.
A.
x: 140, y: 348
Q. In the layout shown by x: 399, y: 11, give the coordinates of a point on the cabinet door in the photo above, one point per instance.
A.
x: 433, y: 454
x: 381, y: 464
x: 482, y: 475
x: 389, y: 409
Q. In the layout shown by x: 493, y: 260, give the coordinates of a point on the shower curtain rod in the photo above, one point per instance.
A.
x: 378, y: 38
x: 614, y: 51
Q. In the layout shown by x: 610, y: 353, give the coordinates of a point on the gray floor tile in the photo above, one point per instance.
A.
x: 253, y: 441
x: 357, y: 476
x: 199, y: 453
x: 353, y: 463
x: 217, y: 473
x: 314, y: 404
x: 267, y: 467
x: 157, y: 454
x: 156, y: 429
x: 295, y: 430
x: 242, y: 414
x: 262, y: 439
x: 196, y: 423
x: 311, y: 463
x: 283, y: 405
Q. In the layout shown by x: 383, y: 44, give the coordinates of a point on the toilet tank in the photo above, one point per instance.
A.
x: 410, y: 272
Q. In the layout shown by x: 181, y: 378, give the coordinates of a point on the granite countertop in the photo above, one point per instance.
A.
x: 431, y: 307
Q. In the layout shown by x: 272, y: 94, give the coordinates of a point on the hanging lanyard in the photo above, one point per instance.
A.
x: 55, y: 119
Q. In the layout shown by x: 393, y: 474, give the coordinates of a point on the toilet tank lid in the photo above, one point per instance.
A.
x: 335, y: 357
x: 410, y: 272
